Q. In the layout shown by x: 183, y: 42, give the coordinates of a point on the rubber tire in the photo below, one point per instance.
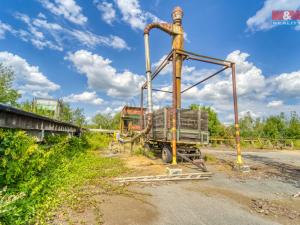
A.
x: 166, y: 155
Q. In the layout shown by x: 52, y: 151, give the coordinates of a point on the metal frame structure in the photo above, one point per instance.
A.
x: 186, y: 55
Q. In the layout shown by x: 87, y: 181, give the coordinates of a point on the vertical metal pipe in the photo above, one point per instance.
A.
x: 149, y: 93
x: 174, y: 109
x: 236, y: 117
x: 142, y: 109
x: 178, y: 66
x: 148, y: 73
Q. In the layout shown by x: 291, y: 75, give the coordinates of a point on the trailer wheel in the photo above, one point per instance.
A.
x: 166, y: 154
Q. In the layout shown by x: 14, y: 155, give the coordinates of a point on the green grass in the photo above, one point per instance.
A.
x: 98, y: 140
x: 142, y: 151
x: 209, y: 158
x: 87, y: 169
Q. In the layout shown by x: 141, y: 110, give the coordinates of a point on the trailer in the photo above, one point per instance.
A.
x: 191, y: 134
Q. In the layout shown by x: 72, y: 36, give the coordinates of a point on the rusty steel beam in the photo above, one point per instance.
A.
x: 163, y: 64
x: 142, y: 109
x: 160, y: 90
x: 188, y: 53
x: 159, y: 68
x: 205, y: 79
x: 174, y: 109
x: 207, y: 61
x: 236, y: 117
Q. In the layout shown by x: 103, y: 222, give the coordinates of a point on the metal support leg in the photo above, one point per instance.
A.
x: 174, y: 109
x: 142, y: 108
x: 236, y: 117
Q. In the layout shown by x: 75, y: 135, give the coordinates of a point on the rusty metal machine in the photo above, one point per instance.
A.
x: 171, y: 138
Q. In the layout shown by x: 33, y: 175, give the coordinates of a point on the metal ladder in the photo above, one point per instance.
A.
x: 175, y: 177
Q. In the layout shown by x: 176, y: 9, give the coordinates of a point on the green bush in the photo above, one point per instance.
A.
x: 29, y: 168
x: 296, y: 144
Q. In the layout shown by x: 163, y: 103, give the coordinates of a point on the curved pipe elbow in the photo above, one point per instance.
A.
x: 166, y: 27
x: 150, y: 27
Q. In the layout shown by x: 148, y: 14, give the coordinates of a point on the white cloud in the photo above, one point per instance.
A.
x: 262, y: 19
x: 275, y: 104
x: 107, y: 10
x: 86, y: 37
x: 288, y: 83
x: 66, y: 8
x: 5, y: 28
x: 161, y: 97
x: 102, y: 76
x: 110, y: 111
x: 250, y: 82
x: 84, y: 97
x: 134, y: 15
x: 28, y: 78
x: 89, y: 39
x: 250, y: 79
x: 43, y: 34
x: 35, y: 35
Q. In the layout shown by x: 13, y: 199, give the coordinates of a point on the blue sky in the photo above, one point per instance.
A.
x: 91, y: 53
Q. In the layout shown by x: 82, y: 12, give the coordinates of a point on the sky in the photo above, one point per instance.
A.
x: 90, y: 53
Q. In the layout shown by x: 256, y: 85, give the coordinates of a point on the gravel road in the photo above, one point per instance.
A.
x: 226, y: 199
x: 186, y: 203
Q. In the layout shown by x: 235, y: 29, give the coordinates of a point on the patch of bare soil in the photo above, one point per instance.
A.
x: 280, y: 208
x: 143, y: 166
x: 94, y: 205
x: 118, y: 209
x: 257, y: 171
x: 285, y: 211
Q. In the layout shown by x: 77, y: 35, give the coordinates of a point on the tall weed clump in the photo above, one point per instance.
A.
x: 31, y: 170
x: 98, y: 140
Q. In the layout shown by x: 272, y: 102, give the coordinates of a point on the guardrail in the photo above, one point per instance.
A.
x: 262, y: 143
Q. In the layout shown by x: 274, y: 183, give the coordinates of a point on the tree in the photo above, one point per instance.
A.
x: 274, y: 127
x: 293, y: 129
x: 116, y: 121
x: 66, y: 114
x: 215, y: 127
x: 106, y: 121
x: 8, y: 95
x: 102, y: 121
x: 78, y: 117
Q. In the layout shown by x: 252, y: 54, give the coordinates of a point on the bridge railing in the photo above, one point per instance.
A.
x: 14, y: 118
